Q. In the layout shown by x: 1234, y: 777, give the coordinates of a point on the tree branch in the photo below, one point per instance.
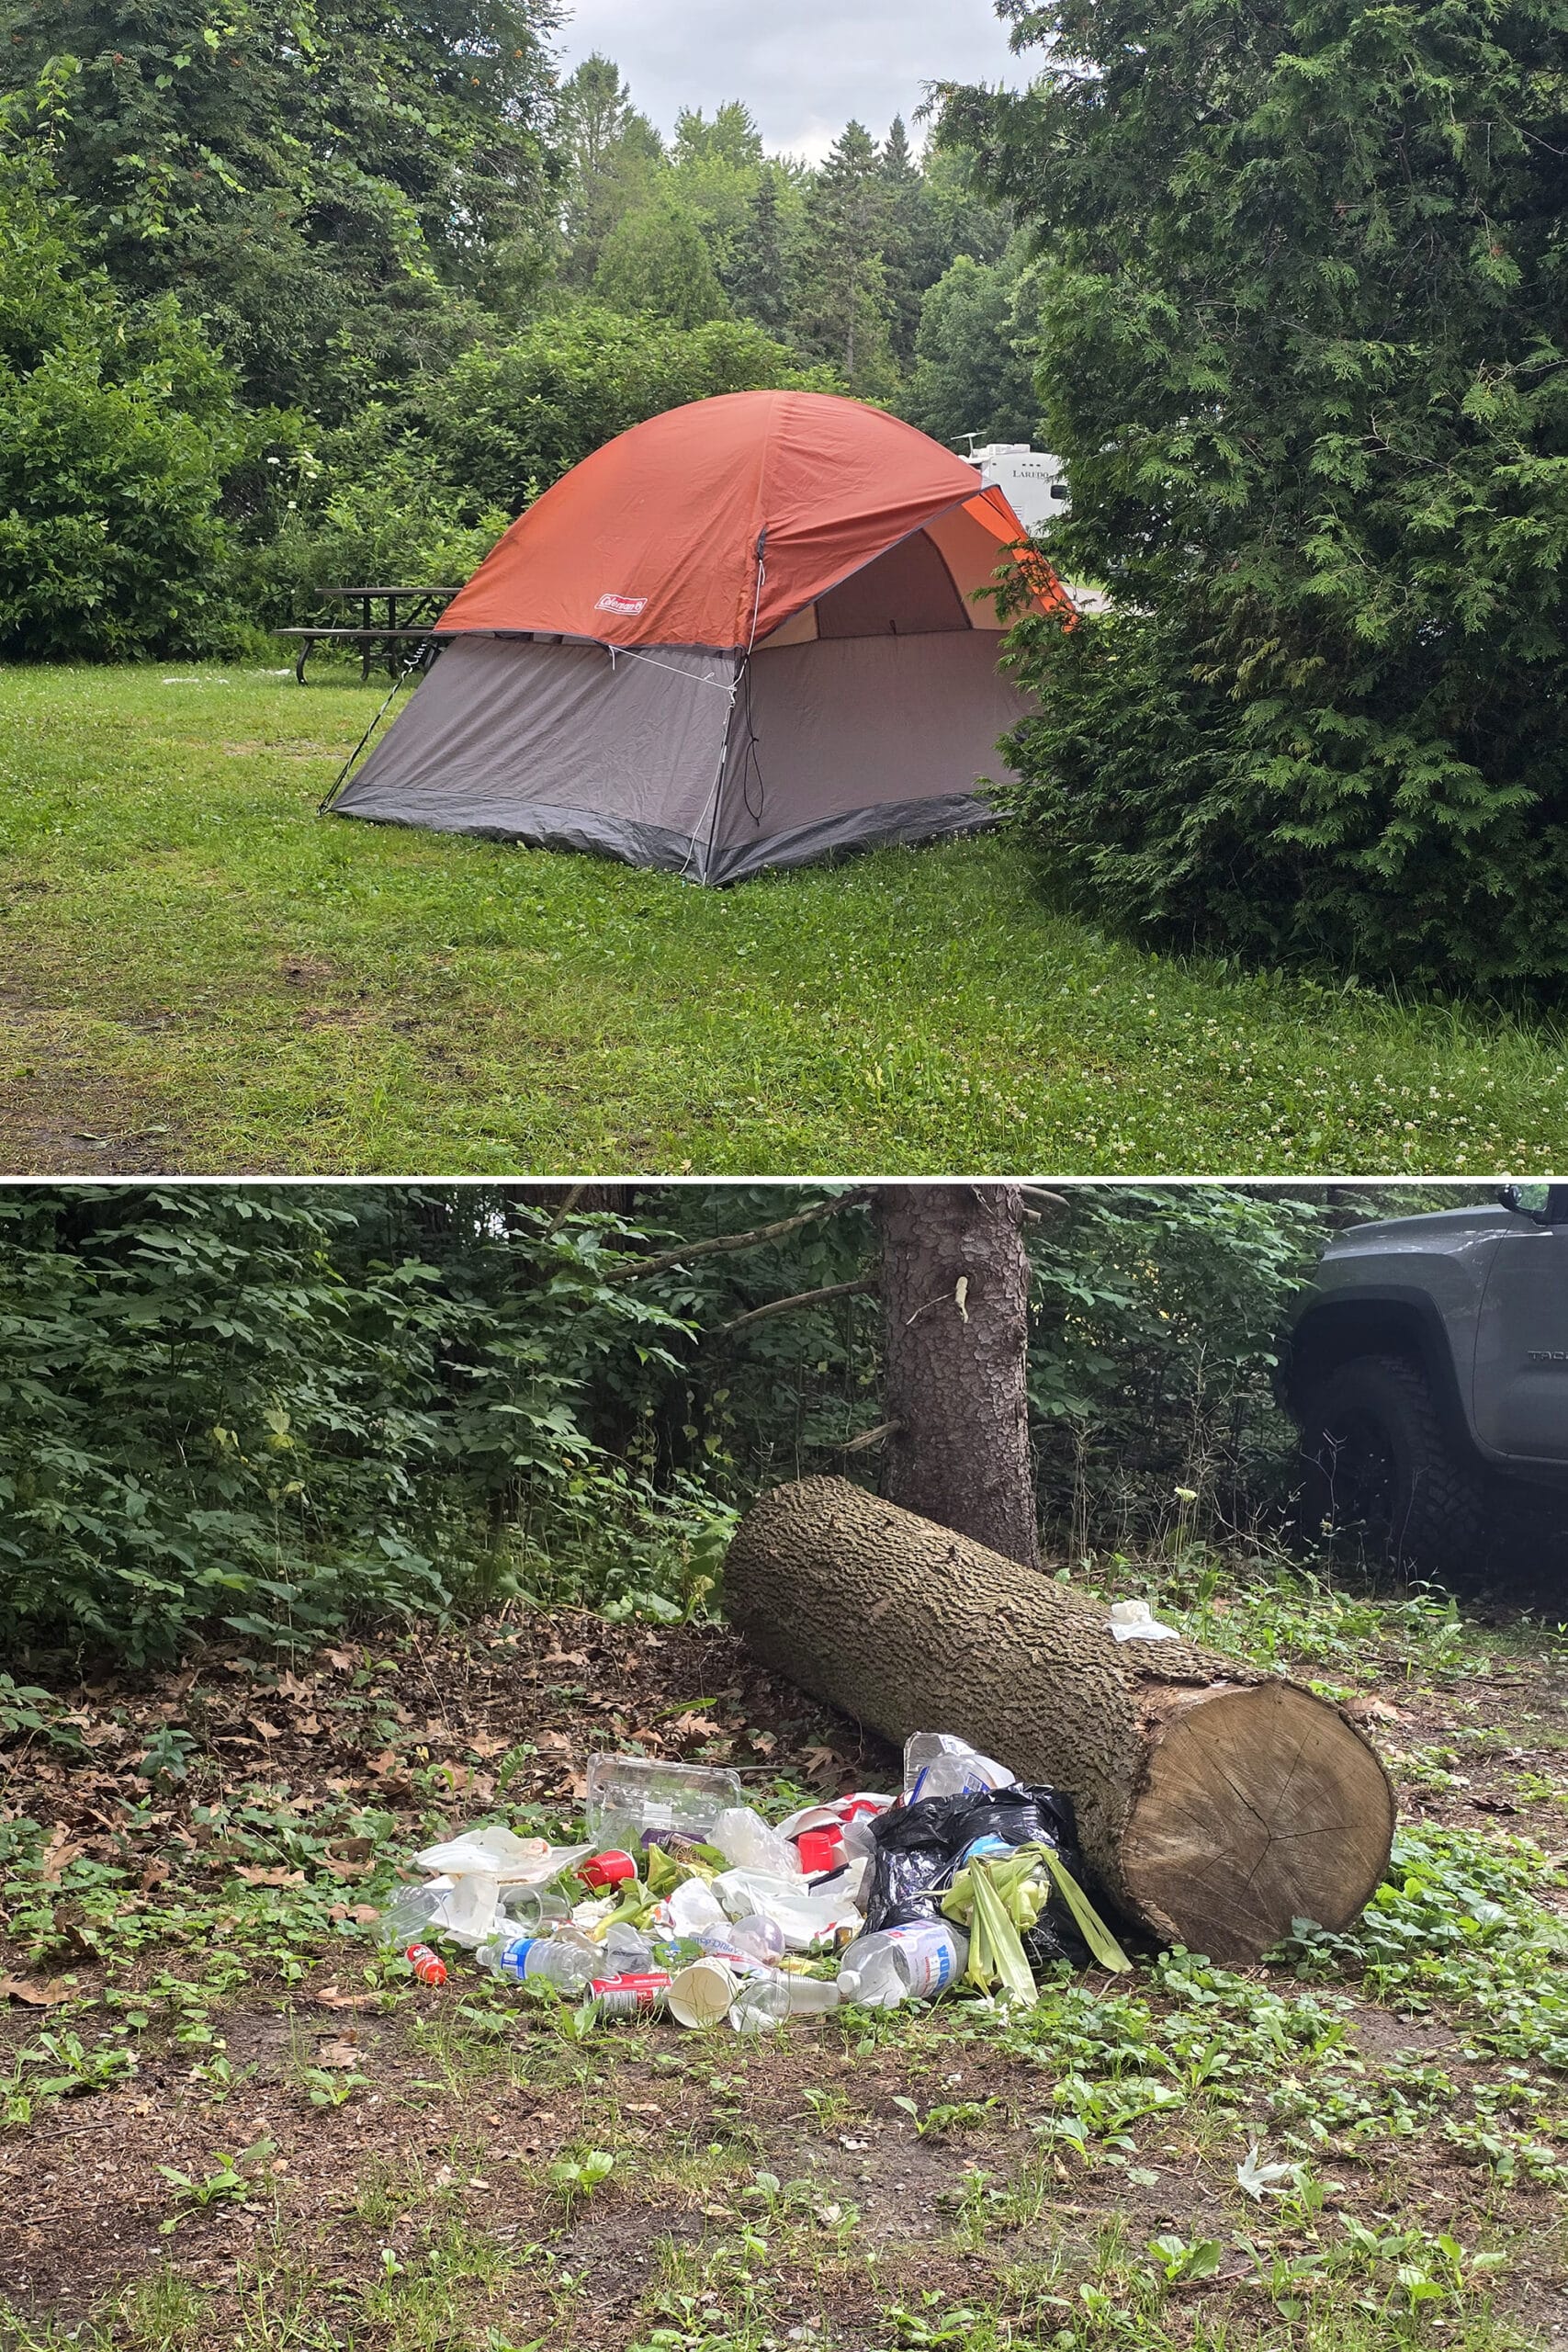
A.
x: 801, y: 1298
x: 570, y: 1199
x: 641, y: 1267
x: 1046, y: 1199
x: 871, y: 1437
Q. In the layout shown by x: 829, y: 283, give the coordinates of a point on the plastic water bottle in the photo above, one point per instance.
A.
x: 940, y: 1764
x: 903, y: 1963
x: 567, y: 1960
x: 761, y: 2004
x: 764, y: 2002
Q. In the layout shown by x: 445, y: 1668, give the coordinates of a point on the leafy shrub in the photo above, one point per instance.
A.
x: 110, y: 536
x: 656, y: 259
x: 508, y: 420
x: 1302, y: 350
x: 282, y: 1410
x: 113, y: 435
x: 359, y: 505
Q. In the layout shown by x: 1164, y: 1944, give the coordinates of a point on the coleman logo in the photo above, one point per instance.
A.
x: 631, y: 606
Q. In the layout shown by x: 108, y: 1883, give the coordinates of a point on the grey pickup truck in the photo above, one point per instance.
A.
x: 1426, y: 1368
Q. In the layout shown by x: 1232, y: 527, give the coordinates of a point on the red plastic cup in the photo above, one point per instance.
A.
x: 607, y: 1870
x: 820, y: 1850
x: 429, y: 1968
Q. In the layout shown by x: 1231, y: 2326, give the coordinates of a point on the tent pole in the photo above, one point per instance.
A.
x: 741, y: 668
x: 324, y: 804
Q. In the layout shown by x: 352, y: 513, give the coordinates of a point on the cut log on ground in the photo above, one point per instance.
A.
x: 1216, y: 1803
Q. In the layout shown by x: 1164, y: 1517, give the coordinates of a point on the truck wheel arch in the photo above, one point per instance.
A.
x: 1388, y: 1323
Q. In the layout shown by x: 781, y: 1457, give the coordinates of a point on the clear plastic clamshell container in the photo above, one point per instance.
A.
x: 634, y: 1797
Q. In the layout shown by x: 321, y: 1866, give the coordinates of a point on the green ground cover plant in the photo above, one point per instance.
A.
x: 204, y: 974
x: 224, y: 2118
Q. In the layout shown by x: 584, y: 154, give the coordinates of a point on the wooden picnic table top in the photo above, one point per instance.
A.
x: 389, y: 592
x: 332, y: 628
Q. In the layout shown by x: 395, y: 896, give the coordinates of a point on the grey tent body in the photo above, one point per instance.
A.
x: 870, y: 718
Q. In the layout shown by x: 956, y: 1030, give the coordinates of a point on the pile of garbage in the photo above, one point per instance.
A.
x: 682, y: 1900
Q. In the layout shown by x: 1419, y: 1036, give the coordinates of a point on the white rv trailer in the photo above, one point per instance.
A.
x: 1034, y: 484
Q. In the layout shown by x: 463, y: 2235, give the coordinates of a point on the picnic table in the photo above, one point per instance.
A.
x: 412, y: 615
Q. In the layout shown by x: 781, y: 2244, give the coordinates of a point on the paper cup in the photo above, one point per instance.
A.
x: 701, y: 1995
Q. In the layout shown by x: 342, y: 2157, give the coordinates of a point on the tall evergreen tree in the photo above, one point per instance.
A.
x: 843, y: 313
x: 1303, y: 351
x: 613, y: 155
x: 759, y: 277
x: 910, y: 248
x: 732, y: 137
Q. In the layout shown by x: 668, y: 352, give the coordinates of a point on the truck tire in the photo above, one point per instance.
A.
x: 1378, y: 1463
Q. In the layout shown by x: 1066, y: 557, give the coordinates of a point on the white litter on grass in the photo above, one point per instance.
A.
x: 1133, y: 1621
x: 195, y: 682
x: 1274, y: 2180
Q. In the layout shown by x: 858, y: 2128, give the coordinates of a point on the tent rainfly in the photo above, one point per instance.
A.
x: 744, y: 633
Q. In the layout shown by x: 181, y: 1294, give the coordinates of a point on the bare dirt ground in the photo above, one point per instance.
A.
x: 259, y: 2136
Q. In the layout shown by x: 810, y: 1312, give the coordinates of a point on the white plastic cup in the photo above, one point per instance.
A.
x: 760, y: 2006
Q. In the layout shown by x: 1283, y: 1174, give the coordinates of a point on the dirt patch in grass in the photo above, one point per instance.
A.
x: 60, y: 1115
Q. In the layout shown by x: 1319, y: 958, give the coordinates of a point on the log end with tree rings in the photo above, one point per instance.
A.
x: 1259, y: 1805
x: 1215, y: 1803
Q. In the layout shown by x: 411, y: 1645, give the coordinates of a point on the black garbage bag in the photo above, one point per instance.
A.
x: 921, y: 1847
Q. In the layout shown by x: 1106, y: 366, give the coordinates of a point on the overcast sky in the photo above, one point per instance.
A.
x: 804, y: 67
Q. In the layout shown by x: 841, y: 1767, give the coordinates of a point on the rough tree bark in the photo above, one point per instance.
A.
x: 1216, y: 1803
x: 956, y: 1311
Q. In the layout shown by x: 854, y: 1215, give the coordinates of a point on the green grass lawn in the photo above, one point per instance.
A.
x: 201, y: 974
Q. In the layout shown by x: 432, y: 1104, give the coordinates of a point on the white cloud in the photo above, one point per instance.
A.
x: 804, y: 67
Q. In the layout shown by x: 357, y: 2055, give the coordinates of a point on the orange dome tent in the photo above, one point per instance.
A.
x: 741, y: 634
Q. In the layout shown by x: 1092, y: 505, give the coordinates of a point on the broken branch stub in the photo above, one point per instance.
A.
x: 1215, y: 1802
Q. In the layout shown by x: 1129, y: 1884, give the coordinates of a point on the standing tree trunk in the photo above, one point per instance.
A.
x: 955, y: 1306
x: 1215, y: 1802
